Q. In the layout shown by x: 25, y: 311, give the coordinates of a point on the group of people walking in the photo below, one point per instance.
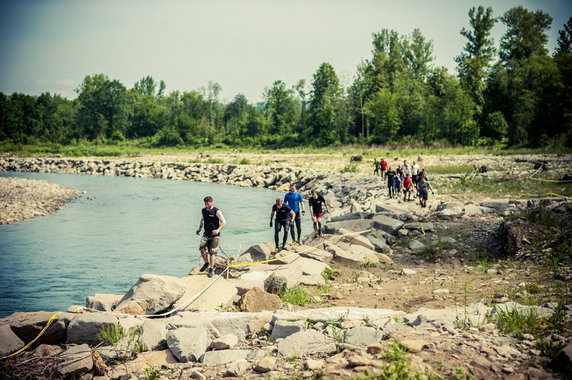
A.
x: 286, y: 213
x: 404, y: 179
x: 285, y: 216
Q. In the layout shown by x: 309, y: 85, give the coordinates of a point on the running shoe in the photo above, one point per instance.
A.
x: 204, y: 267
x: 211, y: 271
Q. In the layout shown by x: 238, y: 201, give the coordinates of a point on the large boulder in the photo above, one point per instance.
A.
x: 257, y: 252
x: 387, y: 224
x: 28, y: 325
x: 300, y: 271
x: 103, y: 302
x: 355, y: 256
x: 83, y: 329
x: 392, y: 210
x: 306, y: 342
x: 151, y: 295
x: 229, y: 356
x: 257, y: 299
x: 188, y: 344
x: 153, y: 331
x: 222, y: 292
x: 219, y: 324
x: 378, y: 242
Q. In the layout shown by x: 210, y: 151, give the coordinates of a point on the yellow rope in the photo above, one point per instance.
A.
x: 50, y: 321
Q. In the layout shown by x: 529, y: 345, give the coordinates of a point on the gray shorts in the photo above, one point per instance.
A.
x: 210, y: 244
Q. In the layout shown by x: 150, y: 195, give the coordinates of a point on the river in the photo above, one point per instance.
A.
x: 119, y: 229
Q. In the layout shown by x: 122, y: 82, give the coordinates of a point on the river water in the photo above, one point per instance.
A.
x: 119, y: 229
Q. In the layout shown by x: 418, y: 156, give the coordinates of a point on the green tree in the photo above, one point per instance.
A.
x: 103, y: 106
x: 563, y: 60
x: 526, y: 34
x: 474, y: 63
x: 280, y: 108
x: 384, y: 113
x: 324, y: 106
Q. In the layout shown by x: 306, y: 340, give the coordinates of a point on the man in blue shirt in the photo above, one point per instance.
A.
x: 295, y: 201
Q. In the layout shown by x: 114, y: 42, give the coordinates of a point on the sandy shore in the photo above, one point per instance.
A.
x: 24, y: 198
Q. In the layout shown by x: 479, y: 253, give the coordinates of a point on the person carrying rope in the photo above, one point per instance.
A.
x: 213, y: 221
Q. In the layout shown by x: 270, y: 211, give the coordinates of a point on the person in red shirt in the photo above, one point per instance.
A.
x: 407, y: 188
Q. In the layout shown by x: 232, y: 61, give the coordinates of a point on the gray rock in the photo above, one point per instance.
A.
x: 257, y: 299
x: 229, y: 356
x: 258, y: 252
x: 237, y: 368
x: 284, y: 328
x: 379, y: 243
x: 220, y: 324
x: 224, y: 342
x: 85, y: 326
x: 75, y: 361
x: 153, y: 331
x: 416, y: 245
x: 305, y: 342
x: 152, y: 294
x: 266, y: 364
x: 392, y: 210
x: 27, y: 326
x: 423, y: 227
x: 563, y: 361
x: 497, y: 204
x: 356, y: 239
x: 9, y: 342
x: 362, y: 335
x: 352, y: 225
x: 102, y: 302
x: 188, y: 344
x: 387, y: 224
x: 314, y: 253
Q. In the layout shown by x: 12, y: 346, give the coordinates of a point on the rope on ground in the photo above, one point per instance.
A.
x: 50, y: 321
x: 296, y: 253
x: 552, y: 180
x: 190, y: 300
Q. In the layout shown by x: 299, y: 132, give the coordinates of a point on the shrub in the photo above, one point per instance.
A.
x: 296, y: 295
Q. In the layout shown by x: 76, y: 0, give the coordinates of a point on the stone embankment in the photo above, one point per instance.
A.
x: 235, y: 325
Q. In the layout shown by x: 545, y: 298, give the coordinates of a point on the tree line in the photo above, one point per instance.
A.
x: 517, y: 94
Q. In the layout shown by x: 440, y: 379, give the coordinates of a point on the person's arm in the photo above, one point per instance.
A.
x: 301, y: 200
x: 326, y: 206
x: 222, y: 223
x: 271, y: 216
x: 310, y: 208
x: 201, y: 223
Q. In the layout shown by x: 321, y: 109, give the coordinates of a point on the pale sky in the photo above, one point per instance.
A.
x: 244, y: 45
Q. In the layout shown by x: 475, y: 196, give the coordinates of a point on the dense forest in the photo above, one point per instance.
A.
x: 517, y: 93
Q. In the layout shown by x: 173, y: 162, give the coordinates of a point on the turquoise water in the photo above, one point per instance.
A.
x: 119, y: 229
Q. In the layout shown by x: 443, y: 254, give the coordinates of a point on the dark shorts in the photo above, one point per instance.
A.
x: 414, y: 178
x: 423, y: 195
x: 210, y: 244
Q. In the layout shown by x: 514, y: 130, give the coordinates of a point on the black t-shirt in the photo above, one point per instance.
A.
x: 211, y: 221
x: 390, y: 174
x: 316, y: 204
x: 282, y: 213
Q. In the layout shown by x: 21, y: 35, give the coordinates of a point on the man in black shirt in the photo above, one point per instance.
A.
x: 390, y: 174
x: 213, y: 221
x: 284, y: 216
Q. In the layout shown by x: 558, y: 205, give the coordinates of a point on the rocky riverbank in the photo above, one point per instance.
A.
x: 23, y: 198
x: 390, y: 290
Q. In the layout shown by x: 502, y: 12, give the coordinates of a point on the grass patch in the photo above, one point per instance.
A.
x: 296, y: 295
x: 329, y: 274
x: 125, y: 345
x: 350, y: 168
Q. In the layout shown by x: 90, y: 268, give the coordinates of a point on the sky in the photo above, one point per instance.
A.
x: 244, y: 45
